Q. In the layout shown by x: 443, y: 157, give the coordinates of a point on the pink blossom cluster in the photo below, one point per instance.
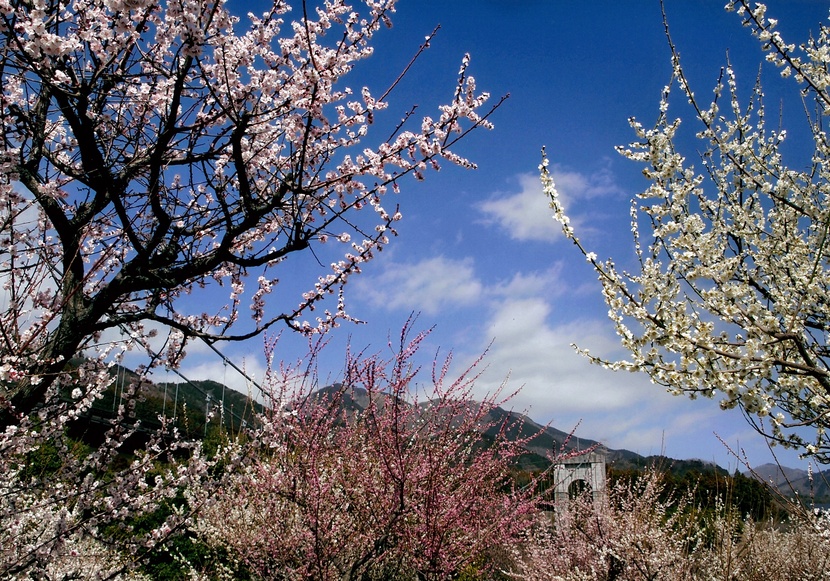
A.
x: 405, y: 483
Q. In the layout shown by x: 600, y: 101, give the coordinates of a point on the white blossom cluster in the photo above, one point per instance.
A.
x: 822, y: 522
x: 68, y: 511
x: 730, y: 293
x: 42, y: 538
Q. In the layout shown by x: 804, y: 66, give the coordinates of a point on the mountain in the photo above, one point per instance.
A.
x: 793, y: 481
x: 188, y: 400
x: 547, y: 443
x: 551, y: 442
x: 184, y: 405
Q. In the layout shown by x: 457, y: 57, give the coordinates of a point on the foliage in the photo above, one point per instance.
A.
x: 706, y: 490
x: 729, y: 292
x: 400, y: 487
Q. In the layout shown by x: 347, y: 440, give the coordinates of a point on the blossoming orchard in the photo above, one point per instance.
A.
x: 729, y: 293
x: 158, y: 154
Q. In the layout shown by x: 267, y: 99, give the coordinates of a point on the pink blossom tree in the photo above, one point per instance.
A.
x: 151, y: 149
x: 375, y: 478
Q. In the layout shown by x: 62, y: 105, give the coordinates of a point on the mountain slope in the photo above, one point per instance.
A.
x: 189, y: 400
x: 794, y: 481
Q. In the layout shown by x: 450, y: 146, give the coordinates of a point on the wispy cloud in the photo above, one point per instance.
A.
x: 537, y: 354
x: 585, y: 186
x: 426, y: 286
x: 548, y: 283
x: 526, y: 216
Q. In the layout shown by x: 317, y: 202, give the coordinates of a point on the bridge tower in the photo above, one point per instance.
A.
x: 581, y: 474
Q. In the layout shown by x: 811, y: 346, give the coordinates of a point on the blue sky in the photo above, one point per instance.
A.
x: 479, y: 255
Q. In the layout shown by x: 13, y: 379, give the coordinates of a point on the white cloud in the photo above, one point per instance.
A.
x: 532, y: 316
x: 548, y: 283
x: 555, y: 380
x: 426, y: 286
x: 575, y: 185
x: 527, y: 216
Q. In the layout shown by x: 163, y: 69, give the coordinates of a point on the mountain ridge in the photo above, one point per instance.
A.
x: 170, y: 398
x: 806, y: 485
x: 549, y: 442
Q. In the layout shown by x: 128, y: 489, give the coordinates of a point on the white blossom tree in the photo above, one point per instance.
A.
x: 729, y: 295
x: 150, y: 149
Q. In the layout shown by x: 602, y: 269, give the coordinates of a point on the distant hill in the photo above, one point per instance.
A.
x: 184, y: 406
x: 549, y: 441
x: 792, y: 481
x: 188, y: 401
x: 552, y: 441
